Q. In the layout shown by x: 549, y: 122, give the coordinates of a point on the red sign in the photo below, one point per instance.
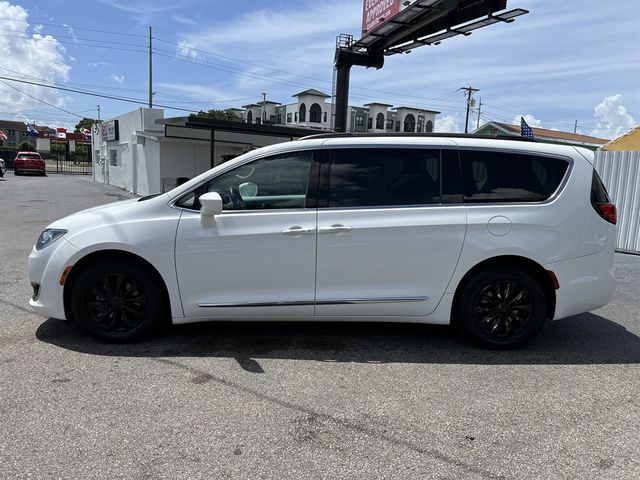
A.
x: 376, y: 13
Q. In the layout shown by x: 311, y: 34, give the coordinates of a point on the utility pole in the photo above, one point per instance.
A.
x: 479, y: 110
x: 150, y: 68
x: 470, y: 91
x: 575, y: 127
x: 264, y: 107
x: 96, y: 137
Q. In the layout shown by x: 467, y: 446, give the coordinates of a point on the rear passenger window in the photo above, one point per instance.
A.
x: 384, y: 177
x: 509, y: 177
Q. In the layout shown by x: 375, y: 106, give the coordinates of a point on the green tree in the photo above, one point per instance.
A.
x: 215, y: 115
x: 58, y: 148
x: 25, y: 147
x: 84, y: 123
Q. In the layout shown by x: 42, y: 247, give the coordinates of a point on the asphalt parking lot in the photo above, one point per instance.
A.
x: 280, y: 401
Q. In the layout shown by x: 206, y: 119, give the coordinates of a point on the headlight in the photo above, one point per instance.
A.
x: 49, y: 236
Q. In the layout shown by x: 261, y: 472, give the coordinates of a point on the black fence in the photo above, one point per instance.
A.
x: 70, y: 163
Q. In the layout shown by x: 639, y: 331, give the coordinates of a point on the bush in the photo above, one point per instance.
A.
x: 58, y: 148
x: 26, y: 147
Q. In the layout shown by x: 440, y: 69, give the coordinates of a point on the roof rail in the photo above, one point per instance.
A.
x: 411, y: 134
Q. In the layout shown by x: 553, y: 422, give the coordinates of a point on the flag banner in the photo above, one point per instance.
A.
x: 31, y: 130
x: 525, y: 129
x: 61, y: 133
x: 3, y: 135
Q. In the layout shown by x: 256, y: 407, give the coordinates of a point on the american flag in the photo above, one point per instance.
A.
x: 525, y: 130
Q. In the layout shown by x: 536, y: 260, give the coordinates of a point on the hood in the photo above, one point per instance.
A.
x: 109, y: 214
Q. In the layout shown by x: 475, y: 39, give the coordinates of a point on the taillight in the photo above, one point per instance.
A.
x: 601, y: 201
x: 606, y: 211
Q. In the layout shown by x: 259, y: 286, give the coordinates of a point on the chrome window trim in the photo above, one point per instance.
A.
x: 261, y: 211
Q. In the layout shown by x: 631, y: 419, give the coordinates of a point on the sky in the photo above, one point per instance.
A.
x: 563, y: 62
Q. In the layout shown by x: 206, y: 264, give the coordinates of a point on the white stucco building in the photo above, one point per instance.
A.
x: 312, y: 110
x: 145, y: 153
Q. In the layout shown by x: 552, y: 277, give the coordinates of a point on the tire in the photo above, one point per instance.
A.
x: 502, y: 307
x: 16, y: 173
x: 118, y: 300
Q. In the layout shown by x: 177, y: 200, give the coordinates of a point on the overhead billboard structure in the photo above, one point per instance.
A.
x: 376, y: 13
x: 398, y: 26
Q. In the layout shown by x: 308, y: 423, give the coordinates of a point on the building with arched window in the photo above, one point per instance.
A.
x: 312, y: 110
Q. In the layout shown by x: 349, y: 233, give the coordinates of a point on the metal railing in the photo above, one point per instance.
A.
x: 71, y: 164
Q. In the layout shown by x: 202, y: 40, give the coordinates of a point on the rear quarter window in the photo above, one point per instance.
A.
x: 493, y: 176
x: 369, y: 177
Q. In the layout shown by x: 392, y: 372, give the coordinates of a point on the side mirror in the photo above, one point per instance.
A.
x: 211, y: 206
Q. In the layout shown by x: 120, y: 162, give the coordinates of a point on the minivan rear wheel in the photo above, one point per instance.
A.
x: 502, y: 307
x: 117, y: 300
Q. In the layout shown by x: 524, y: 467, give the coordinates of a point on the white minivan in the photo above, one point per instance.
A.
x: 494, y: 236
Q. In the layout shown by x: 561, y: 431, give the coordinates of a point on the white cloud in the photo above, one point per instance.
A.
x: 185, y: 20
x: 27, y: 57
x: 100, y: 64
x: 117, y: 78
x: 143, y: 7
x: 186, y: 49
x: 71, y: 32
x: 202, y: 93
x: 447, y: 124
x: 272, y: 49
x: 530, y: 119
x: 296, y: 25
x: 612, y: 117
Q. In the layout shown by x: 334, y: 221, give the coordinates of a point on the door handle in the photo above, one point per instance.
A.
x: 336, y: 228
x: 296, y: 230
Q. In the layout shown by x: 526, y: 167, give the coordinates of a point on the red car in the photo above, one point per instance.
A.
x: 28, y: 162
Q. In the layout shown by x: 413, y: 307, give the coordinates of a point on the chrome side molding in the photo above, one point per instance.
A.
x: 350, y: 301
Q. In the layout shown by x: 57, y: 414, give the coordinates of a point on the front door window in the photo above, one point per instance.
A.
x: 269, y: 183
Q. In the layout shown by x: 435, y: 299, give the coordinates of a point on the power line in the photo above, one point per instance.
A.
x: 555, y: 123
x: 137, y: 48
x: 547, y: 123
x: 95, y: 94
x: 77, y: 44
x: 74, y: 38
x: 217, y: 66
x: 58, y: 25
x: 329, y: 82
x: 137, y: 90
x: 40, y: 100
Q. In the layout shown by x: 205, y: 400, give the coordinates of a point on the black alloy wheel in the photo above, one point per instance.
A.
x: 118, y: 299
x: 502, y: 307
x: 116, y: 302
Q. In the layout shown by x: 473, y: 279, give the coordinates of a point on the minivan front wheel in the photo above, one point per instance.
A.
x: 502, y: 307
x: 117, y: 300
